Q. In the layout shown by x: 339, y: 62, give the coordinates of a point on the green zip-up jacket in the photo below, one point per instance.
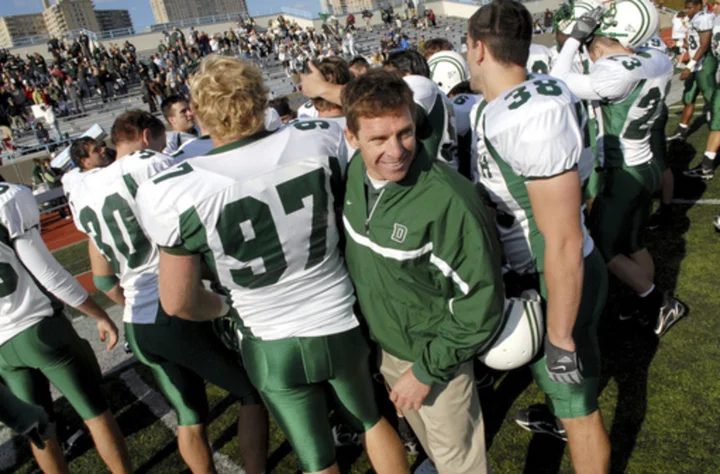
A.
x: 425, y: 262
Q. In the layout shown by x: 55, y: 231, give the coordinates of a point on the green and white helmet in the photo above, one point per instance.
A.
x: 566, y: 15
x: 631, y: 22
x: 448, y: 69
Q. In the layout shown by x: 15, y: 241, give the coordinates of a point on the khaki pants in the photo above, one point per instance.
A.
x: 449, y: 425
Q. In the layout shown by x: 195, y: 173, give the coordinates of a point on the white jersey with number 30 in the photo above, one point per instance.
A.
x: 104, y: 201
x: 261, y: 212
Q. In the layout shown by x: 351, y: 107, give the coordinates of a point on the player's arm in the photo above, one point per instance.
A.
x: 104, y: 276
x: 705, y: 40
x: 556, y: 203
x: 471, y: 267
x: 579, y: 84
x: 314, y: 85
x: 36, y: 257
x: 181, y: 291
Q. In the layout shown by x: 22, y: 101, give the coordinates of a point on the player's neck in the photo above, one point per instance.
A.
x: 501, y: 78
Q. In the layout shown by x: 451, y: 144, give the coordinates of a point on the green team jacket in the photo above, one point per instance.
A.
x: 425, y: 261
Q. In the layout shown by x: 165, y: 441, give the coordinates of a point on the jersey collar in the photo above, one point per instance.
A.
x: 239, y: 143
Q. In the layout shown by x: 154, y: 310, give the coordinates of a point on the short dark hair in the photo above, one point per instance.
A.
x: 437, y: 44
x: 281, y: 106
x: 375, y: 94
x: 167, y: 104
x: 694, y: 2
x: 408, y: 62
x: 334, y: 72
x: 359, y: 61
x: 506, y: 28
x: 462, y: 88
x: 80, y: 149
x: 129, y: 126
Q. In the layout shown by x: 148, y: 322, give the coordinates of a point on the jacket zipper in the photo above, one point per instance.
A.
x: 372, y: 211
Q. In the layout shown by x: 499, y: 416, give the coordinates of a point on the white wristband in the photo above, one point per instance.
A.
x: 691, y: 65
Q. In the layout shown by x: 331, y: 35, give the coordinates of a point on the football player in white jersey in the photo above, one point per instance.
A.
x: 632, y: 88
x: 436, y: 117
x: 38, y: 344
x: 307, y: 110
x: 529, y: 144
x: 699, y: 73
x: 124, y: 261
x: 706, y: 169
x: 177, y: 112
x: 540, y: 59
x: 266, y: 229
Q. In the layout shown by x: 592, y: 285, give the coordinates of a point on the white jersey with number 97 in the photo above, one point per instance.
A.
x: 261, y: 213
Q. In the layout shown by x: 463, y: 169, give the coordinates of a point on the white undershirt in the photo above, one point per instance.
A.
x: 376, y: 184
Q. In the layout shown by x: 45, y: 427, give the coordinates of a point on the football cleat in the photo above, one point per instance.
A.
x: 672, y: 311
x: 659, y: 220
x: 716, y: 222
x: 539, y: 419
x: 701, y: 171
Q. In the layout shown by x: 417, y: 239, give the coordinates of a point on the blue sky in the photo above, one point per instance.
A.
x: 142, y: 13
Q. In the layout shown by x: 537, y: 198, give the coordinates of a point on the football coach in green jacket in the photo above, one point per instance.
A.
x: 425, y: 261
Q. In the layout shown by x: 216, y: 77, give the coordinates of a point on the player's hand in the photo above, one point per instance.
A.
x: 408, y: 393
x: 685, y: 74
x: 586, y: 25
x: 563, y: 366
x: 313, y: 83
x: 107, y: 332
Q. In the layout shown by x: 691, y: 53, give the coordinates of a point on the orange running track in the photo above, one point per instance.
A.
x: 58, y: 233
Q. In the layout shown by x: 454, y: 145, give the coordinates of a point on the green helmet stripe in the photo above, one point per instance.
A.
x: 646, y: 14
x: 434, y: 63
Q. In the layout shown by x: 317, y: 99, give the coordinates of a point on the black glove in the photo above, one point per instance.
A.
x: 586, y: 25
x: 562, y: 366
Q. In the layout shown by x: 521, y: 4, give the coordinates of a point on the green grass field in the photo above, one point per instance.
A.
x: 659, y: 400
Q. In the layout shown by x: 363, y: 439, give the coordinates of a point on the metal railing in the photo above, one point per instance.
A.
x: 44, y: 38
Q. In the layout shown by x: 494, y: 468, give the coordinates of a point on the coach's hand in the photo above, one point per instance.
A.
x: 562, y: 366
x: 586, y: 25
x: 408, y: 393
x: 105, y: 328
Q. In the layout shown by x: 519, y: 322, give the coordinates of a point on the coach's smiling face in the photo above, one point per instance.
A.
x: 387, y: 144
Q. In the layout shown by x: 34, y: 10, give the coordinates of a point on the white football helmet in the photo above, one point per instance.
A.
x: 631, y: 22
x: 522, y: 334
x: 448, y: 69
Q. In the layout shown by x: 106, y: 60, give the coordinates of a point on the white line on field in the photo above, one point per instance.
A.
x: 712, y: 202
x: 159, y: 407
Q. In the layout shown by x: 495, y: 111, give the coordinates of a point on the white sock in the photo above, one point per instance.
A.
x: 683, y: 125
x: 710, y: 155
x: 643, y: 295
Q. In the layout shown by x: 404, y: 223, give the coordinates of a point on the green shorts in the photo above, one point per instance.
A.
x: 658, y: 141
x: 296, y: 376
x: 620, y: 213
x: 183, y: 355
x: 52, y: 350
x: 714, y: 124
x: 578, y: 400
x: 701, y: 81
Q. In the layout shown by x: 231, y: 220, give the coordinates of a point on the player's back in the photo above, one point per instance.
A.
x: 633, y: 88
x: 22, y: 303
x: 261, y: 213
x: 539, y: 59
x: 104, y: 201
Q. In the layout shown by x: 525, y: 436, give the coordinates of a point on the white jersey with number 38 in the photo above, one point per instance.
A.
x: 104, y: 201
x: 261, y: 212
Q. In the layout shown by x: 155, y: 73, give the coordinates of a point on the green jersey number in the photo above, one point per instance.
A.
x: 520, y: 95
x: 639, y: 128
x: 125, y: 231
x: 8, y: 279
x: 692, y: 42
x: 539, y: 67
x: 460, y: 100
x: 305, y: 125
x: 258, y: 242
x: 484, y: 167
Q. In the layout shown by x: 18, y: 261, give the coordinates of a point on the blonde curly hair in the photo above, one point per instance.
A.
x: 229, y: 97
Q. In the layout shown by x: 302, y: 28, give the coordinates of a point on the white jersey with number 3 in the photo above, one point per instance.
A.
x: 104, y: 201
x: 261, y: 212
x: 702, y: 22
